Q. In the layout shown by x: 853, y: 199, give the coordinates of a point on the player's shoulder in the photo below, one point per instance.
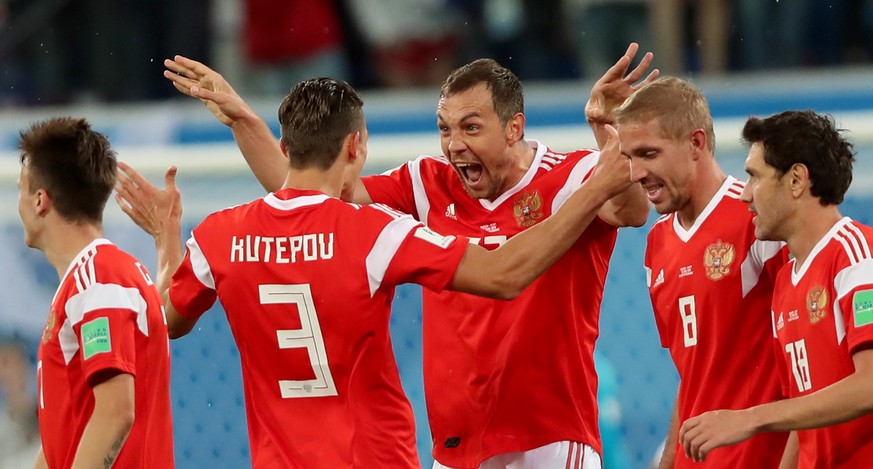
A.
x: 552, y: 159
x: 853, y: 240
x: 106, y: 263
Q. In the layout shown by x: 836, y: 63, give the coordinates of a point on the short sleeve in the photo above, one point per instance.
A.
x: 192, y: 291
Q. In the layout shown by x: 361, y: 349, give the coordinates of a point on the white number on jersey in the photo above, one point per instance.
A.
x: 688, y: 312
x: 308, y: 337
x: 799, y: 364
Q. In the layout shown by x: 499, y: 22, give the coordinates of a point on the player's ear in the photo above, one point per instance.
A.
x: 515, y: 128
x: 283, y: 148
x: 698, y: 142
x: 798, y: 178
x: 352, y: 143
x: 42, y: 202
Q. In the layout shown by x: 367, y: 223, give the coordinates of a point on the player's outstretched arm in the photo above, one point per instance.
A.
x: 613, y: 88
x: 259, y: 146
x: 159, y: 213
x: 109, y: 424
x: 849, y: 398
x: 504, y: 272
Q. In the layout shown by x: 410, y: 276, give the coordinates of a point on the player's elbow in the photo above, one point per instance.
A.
x: 507, y: 286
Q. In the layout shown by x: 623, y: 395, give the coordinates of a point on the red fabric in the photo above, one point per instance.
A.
x: 284, y: 30
x: 814, y: 319
x: 106, y: 286
x: 720, y: 338
x: 505, y: 376
x: 332, y: 268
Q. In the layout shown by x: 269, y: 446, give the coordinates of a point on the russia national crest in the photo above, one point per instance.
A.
x: 528, y: 208
x: 817, y: 303
x: 49, y: 330
x: 717, y: 258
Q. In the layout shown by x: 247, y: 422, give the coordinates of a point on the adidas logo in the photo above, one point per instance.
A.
x: 659, y: 279
x: 450, y: 211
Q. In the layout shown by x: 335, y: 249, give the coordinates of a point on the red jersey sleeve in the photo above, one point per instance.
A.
x: 428, y: 259
x: 192, y: 291
x: 393, y: 188
x: 105, y: 317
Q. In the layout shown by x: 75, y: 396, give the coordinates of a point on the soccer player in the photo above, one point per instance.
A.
x: 103, y: 373
x: 710, y: 279
x: 507, y: 383
x: 319, y: 274
x: 800, y: 167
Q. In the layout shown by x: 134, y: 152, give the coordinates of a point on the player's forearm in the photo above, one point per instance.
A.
x: 261, y: 150
x: 168, y: 244
x: 842, y: 401
x: 628, y: 208
x: 508, y: 270
x: 598, y: 128
x: 109, y: 425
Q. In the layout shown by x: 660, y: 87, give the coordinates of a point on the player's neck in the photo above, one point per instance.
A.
x: 329, y: 182
x: 709, y: 180
x: 808, y: 226
x: 523, y: 156
x: 65, y: 241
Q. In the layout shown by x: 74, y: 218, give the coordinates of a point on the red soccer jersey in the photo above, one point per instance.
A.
x: 822, y: 314
x: 307, y: 281
x: 505, y: 376
x: 711, y: 288
x: 105, y: 317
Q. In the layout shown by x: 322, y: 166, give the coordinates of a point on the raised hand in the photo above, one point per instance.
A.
x: 154, y: 210
x: 194, y: 79
x: 616, y: 85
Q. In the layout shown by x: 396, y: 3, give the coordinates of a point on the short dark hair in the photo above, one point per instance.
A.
x: 73, y: 163
x: 507, y: 95
x: 810, y: 139
x: 315, y: 118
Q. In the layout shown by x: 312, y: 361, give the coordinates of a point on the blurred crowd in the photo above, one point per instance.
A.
x: 67, y: 51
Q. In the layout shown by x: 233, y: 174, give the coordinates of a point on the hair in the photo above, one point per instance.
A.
x: 315, y: 118
x: 73, y: 163
x: 507, y: 95
x: 679, y: 106
x: 810, y: 139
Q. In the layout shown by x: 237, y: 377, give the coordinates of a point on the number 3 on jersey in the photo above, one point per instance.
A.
x: 308, y: 337
x: 688, y: 313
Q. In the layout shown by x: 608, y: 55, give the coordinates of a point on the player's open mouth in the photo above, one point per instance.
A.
x: 471, y: 172
x: 653, y: 191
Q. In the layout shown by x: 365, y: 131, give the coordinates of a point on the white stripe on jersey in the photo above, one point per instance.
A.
x: 422, y: 203
x: 96, y: 297
x: 773, y: 322
x: 759, y: 253
x: 858, y: 273
x: 735, y: 190
x: 854, y: 243
x: 199, y: 264
x: 385, y: 247
x: 574, y: 180
x: 84, y: 273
